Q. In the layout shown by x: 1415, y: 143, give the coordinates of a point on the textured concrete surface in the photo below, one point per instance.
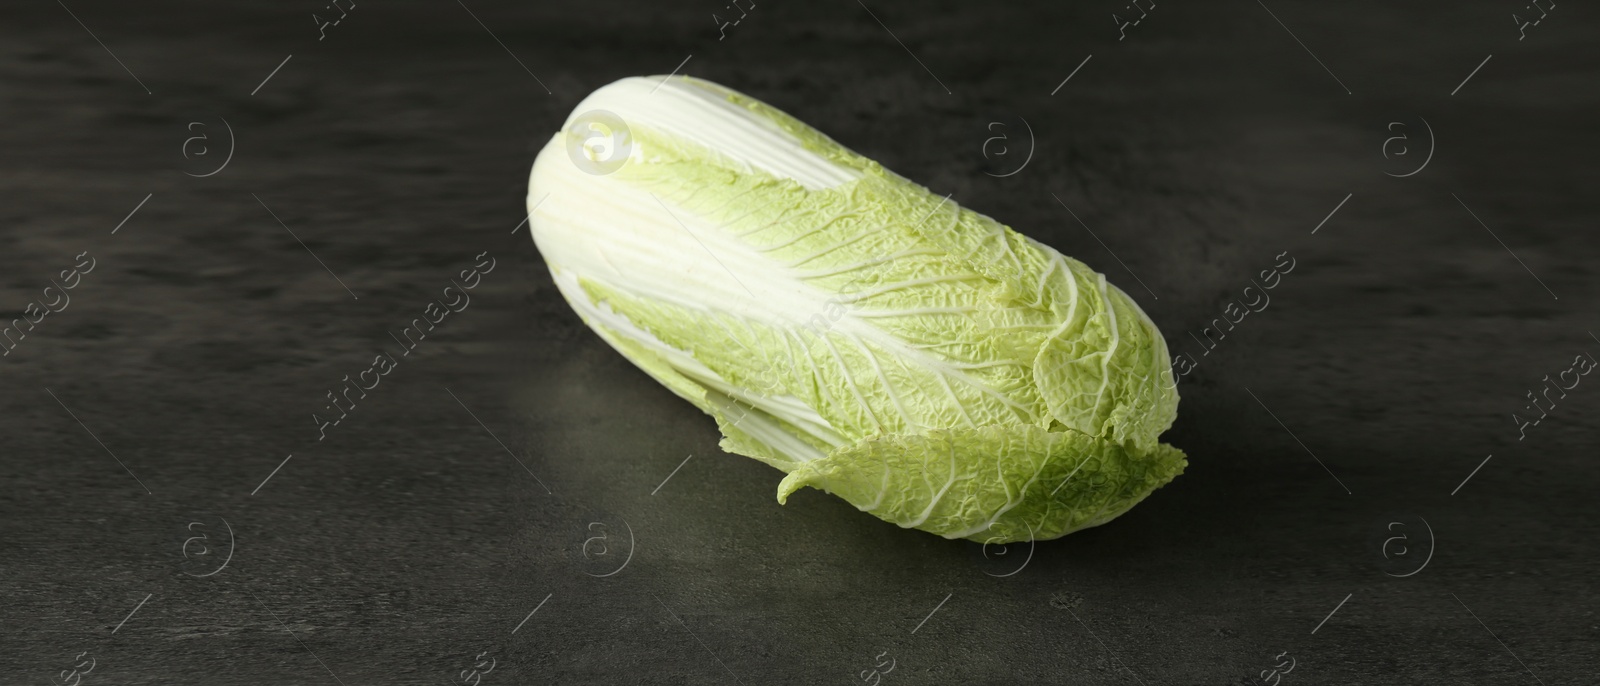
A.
x: 410, y: 546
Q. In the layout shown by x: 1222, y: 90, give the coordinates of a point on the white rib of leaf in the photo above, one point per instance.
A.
x: 956, y: 400
x: 1072, y: 285
x: 816, y: 370
x: 902, y: 285
x: 1010, y: 502
x: 1110, y: 351
x: 882, y: 491
x: 1003, y: 362
x: 1044, y: 278
x: 851, y: 381
x: 846, y: 242
x: 814, y: 231
x: 866, y: 263
x: 757, y: 207
x: 888, y: 387
x: 764, y: 428
x: 938, y: 496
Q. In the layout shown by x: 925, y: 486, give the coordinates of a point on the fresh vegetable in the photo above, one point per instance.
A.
x: 869, y: 338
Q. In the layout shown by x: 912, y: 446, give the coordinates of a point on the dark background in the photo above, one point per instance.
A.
x: 407, y: 546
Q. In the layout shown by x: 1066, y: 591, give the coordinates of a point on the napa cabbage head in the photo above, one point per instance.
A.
x: 843, y: 324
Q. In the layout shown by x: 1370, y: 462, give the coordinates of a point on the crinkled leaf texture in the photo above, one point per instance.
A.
x: 920, y: 360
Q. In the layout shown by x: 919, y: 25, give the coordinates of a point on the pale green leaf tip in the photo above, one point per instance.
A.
x: 794, y: 481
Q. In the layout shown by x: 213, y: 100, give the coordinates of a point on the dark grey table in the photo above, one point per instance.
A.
x: 514, y: 499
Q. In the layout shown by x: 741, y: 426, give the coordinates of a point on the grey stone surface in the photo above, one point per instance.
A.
x: 410, y: 545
